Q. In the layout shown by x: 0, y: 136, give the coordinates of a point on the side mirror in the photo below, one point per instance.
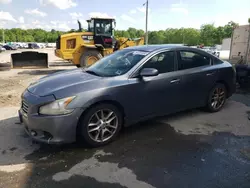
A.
x: 146, y: 72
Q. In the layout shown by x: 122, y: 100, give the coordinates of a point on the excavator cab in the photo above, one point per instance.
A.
x: 103, y: 30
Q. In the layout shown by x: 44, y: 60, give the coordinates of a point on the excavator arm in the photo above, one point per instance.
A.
x: 123, y: 42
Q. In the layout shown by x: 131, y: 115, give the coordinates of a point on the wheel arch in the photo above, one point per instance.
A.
x: 226, y: 85
x: 104, y: 101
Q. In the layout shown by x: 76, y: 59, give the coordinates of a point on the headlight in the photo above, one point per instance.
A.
x: 57, y: 107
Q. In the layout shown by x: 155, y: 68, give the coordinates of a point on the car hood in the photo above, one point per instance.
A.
x: 58, y: 81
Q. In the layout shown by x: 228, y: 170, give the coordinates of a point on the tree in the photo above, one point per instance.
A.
x: 208, y: 34
x: 132, y: 32
x: 228, y: 29
x: 220, y: 34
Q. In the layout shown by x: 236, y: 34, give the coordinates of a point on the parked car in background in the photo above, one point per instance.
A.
x: 41, y: 45
x: 211, y: 50
x: 10, y: 47
x: 2, y: 48
x: 128, y: 86
x: 214, y: 51
x: 33, y: 46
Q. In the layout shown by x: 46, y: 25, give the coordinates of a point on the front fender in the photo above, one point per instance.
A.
x: 98, y: 100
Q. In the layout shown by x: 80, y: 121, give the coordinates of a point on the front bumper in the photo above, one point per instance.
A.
x: 58, y: 129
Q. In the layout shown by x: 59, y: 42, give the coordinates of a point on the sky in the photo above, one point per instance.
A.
x: 63, y: 14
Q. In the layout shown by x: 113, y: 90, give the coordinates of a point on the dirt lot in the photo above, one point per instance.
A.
x: 13, y: 83
x: 187, y: 149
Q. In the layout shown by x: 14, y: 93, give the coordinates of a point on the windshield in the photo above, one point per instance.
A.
x: 117, y: 63
x: 103, y: 27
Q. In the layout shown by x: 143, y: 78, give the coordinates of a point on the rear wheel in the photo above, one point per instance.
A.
x: 89, y: 57
x: 217, y: 98
x: 100, y: 125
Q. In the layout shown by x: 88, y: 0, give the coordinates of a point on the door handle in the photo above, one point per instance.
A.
x: 174, y: 81
x: 210, y: 74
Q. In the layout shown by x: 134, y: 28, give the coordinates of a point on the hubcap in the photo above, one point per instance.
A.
x: 218, y: 98
x: 102, y: 125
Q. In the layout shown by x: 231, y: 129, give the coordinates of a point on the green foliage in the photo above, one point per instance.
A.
x: 30, y: 35
x: 208, y: 34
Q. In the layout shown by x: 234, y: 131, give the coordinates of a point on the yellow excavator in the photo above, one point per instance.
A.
x: 85, y: 48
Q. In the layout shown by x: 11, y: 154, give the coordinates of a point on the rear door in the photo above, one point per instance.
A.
x: 198, y: 77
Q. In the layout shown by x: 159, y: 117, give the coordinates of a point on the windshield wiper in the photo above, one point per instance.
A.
x: 92, y: 72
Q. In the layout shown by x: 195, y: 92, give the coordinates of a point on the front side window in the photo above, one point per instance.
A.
x: 188, y: 60
x: 118, y: 63
x: 163, y: 62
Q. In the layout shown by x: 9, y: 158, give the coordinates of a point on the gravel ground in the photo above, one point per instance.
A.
x: 12, y: 83
x: 187, y: 149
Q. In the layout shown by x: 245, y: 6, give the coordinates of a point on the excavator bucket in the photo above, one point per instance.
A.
x: 29, y: 59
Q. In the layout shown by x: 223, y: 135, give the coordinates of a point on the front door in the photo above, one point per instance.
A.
x: 157, y: 95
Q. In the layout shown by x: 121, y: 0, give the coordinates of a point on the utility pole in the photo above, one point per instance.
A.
x: 146, y: 31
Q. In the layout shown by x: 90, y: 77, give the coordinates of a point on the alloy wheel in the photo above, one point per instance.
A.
x: 102, y: 125
x: 218, y: 98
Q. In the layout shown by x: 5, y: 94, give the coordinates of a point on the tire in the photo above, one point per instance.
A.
x: 86, y: 55
x: 5, y: 66
x: 219, y: 93
x: 86, y: 136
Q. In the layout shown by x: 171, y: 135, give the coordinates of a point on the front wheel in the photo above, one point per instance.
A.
x: 217, y: 98
x: 100, y: 125
x: 89, y: 57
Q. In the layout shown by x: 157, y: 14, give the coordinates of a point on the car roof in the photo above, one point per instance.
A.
x: 151, y: 48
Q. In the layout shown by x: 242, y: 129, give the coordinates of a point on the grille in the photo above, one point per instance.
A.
x: 25, y: 107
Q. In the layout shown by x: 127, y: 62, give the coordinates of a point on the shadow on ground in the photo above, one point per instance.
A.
x: 155, y: 154
x: 41, y: 72
x: 61, y: 64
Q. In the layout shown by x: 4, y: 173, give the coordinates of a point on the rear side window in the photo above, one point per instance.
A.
x: 188, y: 60
x: 163, y: 62
x: 217, y: 61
